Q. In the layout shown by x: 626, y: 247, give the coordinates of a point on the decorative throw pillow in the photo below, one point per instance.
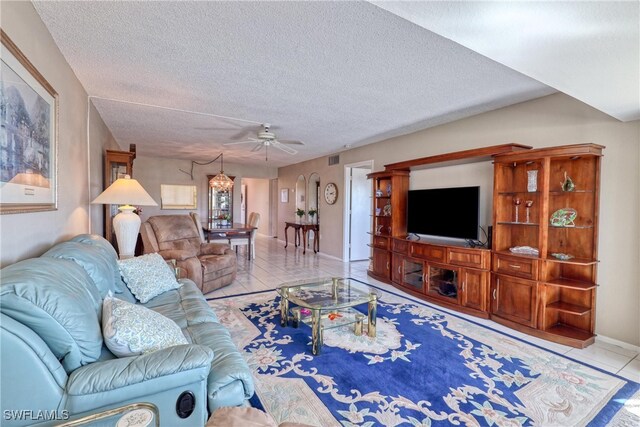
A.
x: 147, y: 276
x: 130, y: 329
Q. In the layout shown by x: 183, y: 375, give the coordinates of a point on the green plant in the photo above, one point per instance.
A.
x: 300, y: 212
x: 312, y: 212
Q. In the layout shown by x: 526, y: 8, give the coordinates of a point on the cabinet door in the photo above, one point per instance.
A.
x: 381, y: 263
x: 396, y: 269
x: 442, y: 282
x: 473, y: 284
x: 514, y: 299
x: 413, y: 274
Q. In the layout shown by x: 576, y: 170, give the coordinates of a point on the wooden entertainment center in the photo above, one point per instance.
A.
x: 545, y: 201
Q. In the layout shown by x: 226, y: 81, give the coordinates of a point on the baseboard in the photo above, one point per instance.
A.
x: 322, y: 254
x: 619, y: 343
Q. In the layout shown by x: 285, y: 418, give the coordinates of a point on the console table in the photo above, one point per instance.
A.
x: 304, y: 228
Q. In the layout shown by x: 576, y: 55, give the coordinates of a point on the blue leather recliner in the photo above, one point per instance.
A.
x: 52, y: 356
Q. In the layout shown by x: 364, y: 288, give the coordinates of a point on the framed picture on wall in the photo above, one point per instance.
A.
x: 284, y: 195
x: 28, y: 135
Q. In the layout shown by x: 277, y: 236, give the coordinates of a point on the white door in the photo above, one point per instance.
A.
x: 360, y: 218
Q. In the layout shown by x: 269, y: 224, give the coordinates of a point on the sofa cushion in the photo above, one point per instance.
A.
x: 186, y: 306
x: 131, y: 329
x: 103, y: 245
x: 147, y: 276
x: 51, y: 296
x: 92, y: 259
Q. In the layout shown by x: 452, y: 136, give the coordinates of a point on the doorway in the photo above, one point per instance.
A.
x: 357, y: 211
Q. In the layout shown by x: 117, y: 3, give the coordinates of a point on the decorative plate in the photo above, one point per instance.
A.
x: 561, y: 256
x: 564, y: 217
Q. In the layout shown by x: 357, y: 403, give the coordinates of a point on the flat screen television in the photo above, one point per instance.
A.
x: 444, y: 212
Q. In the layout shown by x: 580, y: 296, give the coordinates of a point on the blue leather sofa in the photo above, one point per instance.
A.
x: 52, y: 356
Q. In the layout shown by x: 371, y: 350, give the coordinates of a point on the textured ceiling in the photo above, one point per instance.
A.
x: 327, y: 73
x: 587, y: 49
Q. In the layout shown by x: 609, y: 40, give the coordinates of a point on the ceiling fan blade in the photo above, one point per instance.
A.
x: 283, y: 147
x: 257, y: 147
x: 224, y: 123
x: 290, y: 142
x: 244, y: 133
x: 250, y: 140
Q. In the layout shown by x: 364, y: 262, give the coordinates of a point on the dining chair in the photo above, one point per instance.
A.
x: 254, y: 221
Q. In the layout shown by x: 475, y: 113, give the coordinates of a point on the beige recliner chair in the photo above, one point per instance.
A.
x: 210, y: 265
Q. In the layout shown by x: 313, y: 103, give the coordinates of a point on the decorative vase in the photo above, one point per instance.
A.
x: 532, y: 181
x: 568, y: 184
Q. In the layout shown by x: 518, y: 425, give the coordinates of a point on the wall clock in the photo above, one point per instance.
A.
x: 331, y: 193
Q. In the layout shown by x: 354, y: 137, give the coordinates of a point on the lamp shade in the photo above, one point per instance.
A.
x: 125, y: 191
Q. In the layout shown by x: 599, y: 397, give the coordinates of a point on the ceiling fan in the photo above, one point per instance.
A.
x: 266, y: 138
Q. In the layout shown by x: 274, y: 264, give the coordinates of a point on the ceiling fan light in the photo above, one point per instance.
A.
x: 221, y: 182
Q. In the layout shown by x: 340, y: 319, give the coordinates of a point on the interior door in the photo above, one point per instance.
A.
x: 360, y: 218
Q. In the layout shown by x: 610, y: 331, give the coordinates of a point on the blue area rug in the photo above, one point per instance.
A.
x: 425, y: 367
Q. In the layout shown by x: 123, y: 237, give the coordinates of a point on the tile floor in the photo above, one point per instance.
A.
x: 275, y: 265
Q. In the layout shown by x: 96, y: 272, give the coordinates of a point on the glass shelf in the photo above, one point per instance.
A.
x: 570, y: 227
x: 559, y: 193
x: 511, y: 193
x: 531, y: 224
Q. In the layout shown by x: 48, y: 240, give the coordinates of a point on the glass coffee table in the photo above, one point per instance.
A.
x: 328, y: 303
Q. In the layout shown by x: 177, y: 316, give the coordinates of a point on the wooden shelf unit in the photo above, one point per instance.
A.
x: 558, y: 300
x: 116, y: 165
x: 537, y: 294
x: 390, y: 190
x: 408, y: 264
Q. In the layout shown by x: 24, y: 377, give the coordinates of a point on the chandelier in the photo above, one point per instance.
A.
x: 221, y: 182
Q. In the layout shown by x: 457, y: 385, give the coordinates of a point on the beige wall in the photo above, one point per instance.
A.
x: 30, y: 234
x: 553, y: 120
x: 258, y: 201
x: 151, y: 172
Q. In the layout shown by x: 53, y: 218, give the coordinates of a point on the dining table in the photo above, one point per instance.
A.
x: 231, y: 231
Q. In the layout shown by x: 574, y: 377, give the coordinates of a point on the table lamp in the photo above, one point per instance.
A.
x: 126, y: 192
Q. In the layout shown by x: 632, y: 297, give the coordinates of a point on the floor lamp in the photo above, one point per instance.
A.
x: 129, y: 193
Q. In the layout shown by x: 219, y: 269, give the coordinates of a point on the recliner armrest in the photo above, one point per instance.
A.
x: 178, y: 254
x: 213, y: 248
x: 192, y: 361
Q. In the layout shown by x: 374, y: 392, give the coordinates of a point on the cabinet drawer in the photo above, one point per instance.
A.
x: 399, y: 246
x: 516, y: 266
x: 380, y: 242
x: 432, y: 253
x: 468, y: 258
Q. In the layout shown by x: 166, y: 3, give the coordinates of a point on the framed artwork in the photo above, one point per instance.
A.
x: 178, y: 196
x: 284, y: 195
x: 28, y: 135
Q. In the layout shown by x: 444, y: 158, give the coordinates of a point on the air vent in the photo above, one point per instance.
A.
x: 334, y: 160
